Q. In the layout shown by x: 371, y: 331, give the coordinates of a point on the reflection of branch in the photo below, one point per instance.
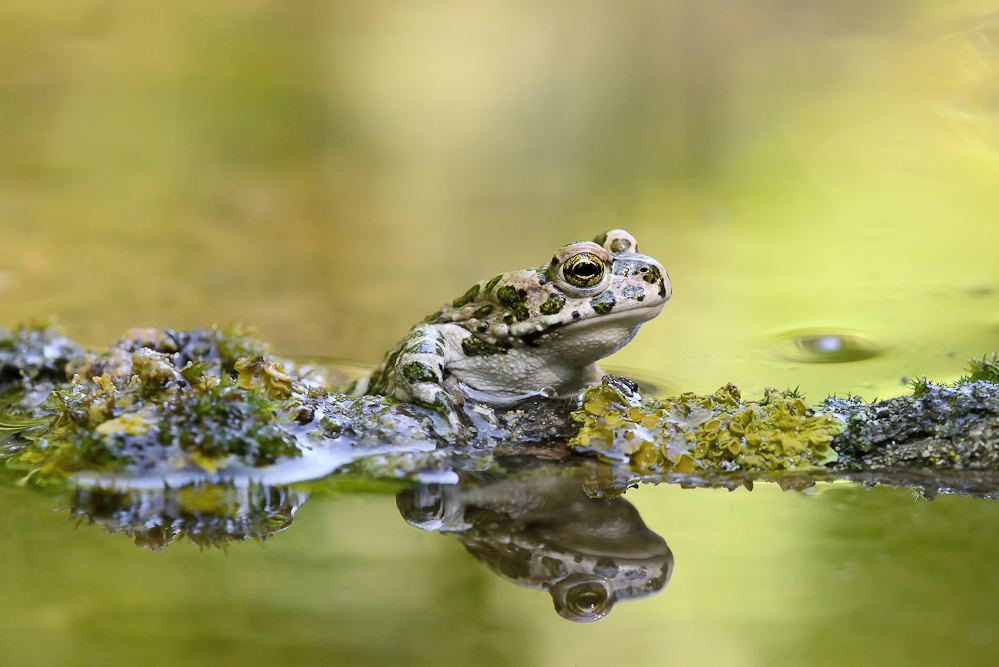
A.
x: 209, y: 515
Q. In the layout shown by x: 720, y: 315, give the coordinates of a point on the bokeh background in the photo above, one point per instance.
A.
x: 813, y: 174
x: 330, y: 172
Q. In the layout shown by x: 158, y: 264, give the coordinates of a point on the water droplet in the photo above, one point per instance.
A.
x: 834, y: 346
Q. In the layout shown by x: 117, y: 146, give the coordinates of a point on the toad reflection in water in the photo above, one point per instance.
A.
x: 545, y: 532
x: 537, y: 528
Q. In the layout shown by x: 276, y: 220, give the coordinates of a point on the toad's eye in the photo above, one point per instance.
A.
x: 583, y: 270
x: 586, y: 600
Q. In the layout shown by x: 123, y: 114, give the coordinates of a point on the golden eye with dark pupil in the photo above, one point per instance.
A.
x: 583, y: 270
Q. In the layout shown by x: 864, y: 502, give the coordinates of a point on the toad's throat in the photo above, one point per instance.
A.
x: 560, y: 360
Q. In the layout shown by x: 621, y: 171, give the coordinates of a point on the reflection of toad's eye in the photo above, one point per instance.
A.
x: 586, y: 600
x: 583, y: 270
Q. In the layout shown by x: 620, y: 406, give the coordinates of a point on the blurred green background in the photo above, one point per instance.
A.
x: 330, y: 172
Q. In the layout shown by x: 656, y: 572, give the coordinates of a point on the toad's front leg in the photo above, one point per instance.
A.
x: 415, y: 372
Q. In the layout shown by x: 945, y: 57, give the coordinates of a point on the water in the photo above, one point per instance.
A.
x: 818, y: 178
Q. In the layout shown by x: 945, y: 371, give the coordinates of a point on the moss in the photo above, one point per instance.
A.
x: 149, y: 407
x: 692, y: 433
x: 984, y: 369
x: 920, y: 386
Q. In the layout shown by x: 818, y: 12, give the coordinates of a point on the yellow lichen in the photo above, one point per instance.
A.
x: 691, y: 433
x: 127, y: 424
x: 262, y: 374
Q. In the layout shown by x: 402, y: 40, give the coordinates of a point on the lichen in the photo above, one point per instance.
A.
x: 692, y: 433
x: 191, y: 401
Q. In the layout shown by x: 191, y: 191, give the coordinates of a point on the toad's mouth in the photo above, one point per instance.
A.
x: 629, y: 317
x: 607, y: 333
x: 640, y: 313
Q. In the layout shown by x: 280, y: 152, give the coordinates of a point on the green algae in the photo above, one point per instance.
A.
x: 208, y: 403
x: 155, y: 415
x: 715, y: 433
x: 197, y: 398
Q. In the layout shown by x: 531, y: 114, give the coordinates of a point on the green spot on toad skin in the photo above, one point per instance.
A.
x: 483, y: 311
x: 520, y: 312
x: 510, y: 296
x: 416, y: 372
x: 474, y: 346
x: 634, y: 292
x: 603, y: 303
x: 553, y: 305
x: 467, y: 298
x: 424, y: 346
x: 437, y: 317
x: 491, y: 284
x: 620, y: 245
